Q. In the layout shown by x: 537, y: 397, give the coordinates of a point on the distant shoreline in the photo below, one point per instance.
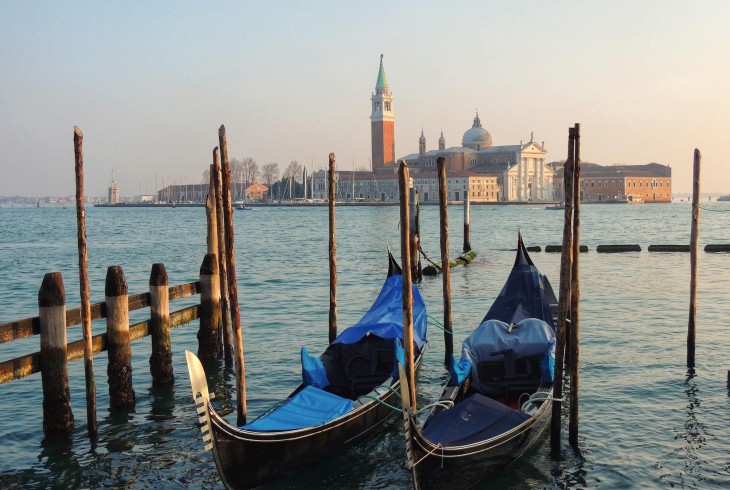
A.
x: 320, y: 204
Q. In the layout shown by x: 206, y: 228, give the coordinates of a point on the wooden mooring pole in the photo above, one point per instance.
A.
x: 575, y: 300
x: 467, y: 223
x: 333, y: 248
x: 566, y: 260
x: 445, y: 264
x: 84, y: 286
x: 232, y: 284
x: 693, y: 249
x: 414, y: 238
x: 215, y: 172
x: 57, y: 414
x: 211, y: 215
x: 161, y: 357
x: 119, y: 369
x: 209, y: 333
x: 405, y: 251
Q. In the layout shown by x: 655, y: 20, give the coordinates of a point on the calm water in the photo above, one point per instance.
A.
x: 644, y: 421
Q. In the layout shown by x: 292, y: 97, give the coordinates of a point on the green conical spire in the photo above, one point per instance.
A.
x: 382, y: 79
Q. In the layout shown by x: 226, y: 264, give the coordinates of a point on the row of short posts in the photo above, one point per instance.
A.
x: 216, y: 324
x: 57, y: 414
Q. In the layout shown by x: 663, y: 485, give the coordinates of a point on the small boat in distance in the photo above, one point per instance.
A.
x: 498, y: 398
x: 243, y: 207
x: 724, y: 198
x: 555, y: 206
x: 346, y: 395
x: 635, y: 199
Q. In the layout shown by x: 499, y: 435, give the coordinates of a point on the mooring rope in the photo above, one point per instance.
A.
x: 446, y: 404
x: 714, y: 210
x: 439, y: 446
x: 538, y: 397
x: 420, y: 249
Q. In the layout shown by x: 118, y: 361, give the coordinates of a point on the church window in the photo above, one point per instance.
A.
x: 599, y: 184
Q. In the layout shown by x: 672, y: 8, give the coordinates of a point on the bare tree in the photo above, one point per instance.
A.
x: 249, y: 170
x: 294, y: 170
x: 270, y: 174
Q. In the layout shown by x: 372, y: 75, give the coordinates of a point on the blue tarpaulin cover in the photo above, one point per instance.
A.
x: 475, y: 419
x: 310, y: 407
x: 385, y: 316
x: 313, y: 371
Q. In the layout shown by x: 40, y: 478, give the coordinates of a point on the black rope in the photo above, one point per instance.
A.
x: 714, y: 210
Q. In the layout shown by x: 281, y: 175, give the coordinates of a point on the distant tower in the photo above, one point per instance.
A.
x: 113, y: 191
x: 382, y: 125
x: 422, y: 144
x: 442, y: 142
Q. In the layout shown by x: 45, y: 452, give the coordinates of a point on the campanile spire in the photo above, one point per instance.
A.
x: 382, y: 123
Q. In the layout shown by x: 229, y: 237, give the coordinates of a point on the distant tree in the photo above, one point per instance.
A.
x: 270, y: 174
x: 249, y: 170
x: 294, y: 170
x: 235, y: 167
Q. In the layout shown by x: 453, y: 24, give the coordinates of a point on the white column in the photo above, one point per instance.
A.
x: 525, y: 163
x: 519, y: 180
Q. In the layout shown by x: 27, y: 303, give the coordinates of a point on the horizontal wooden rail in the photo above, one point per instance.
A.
x: 26, y: 365
x: 31, y: 326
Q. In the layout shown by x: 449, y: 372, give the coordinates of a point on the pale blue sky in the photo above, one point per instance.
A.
x: 149, y: 83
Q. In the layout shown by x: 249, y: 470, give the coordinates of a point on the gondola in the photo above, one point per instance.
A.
x: 344, y: 397
x: 496, y: 402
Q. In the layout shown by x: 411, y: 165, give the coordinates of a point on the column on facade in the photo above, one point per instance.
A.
x: 519, y: 180
x: 525, y: 171
x: 542, y: 179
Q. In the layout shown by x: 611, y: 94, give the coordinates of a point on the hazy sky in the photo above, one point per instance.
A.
x: 149, y: 83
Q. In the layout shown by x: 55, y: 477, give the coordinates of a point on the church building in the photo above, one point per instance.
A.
x: 517, y: 173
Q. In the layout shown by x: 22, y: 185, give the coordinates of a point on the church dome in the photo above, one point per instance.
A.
x: 476, y: 137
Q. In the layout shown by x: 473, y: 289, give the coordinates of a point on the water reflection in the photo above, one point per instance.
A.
x: 59, y: 459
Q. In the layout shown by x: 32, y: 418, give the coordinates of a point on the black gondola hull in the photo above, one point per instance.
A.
x: 247, y: 459
x: 456, y: 467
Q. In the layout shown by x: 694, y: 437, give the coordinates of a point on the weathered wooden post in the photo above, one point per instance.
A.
x: 84, y: 285
x: 119, y: 370
x: 209, y: 338
x: 57, y: 414
x: 693, y: 249
x: 332, y: 249
x: 413, y: 227
x: 575, y: 300
x: 467, y: 223
x: 232, y: 284
x: 211, y: 215
x: 566, y: 260
x: 161, y: 357
x: 222, y: 267
x: 445, y: 263
x: 405, y: 250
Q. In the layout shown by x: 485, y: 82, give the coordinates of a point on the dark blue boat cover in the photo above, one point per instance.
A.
x: 530, y: 337
x: 477, y: 418
x: 385, y: 316
x: 310, y: 407
x: 526, y: 294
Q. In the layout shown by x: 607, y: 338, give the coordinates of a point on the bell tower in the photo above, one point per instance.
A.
x: 382, y: 124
